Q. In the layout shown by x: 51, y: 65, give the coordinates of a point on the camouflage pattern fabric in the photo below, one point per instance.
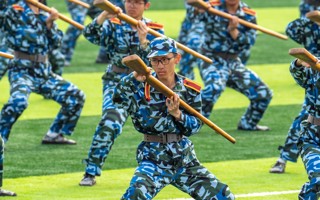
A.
x: 3, y: 48
x: 171, y: 163
x: 78, y: 13
x: 306, y: 33
x: 290, y: 150
x: 309, y: 140
x: 57, y: 60
x: 191, y: 35
x: 307, y: 6
x: 120, y: 40
x: 309, y: 145
x: 27, y: 33
x: 230, y: 72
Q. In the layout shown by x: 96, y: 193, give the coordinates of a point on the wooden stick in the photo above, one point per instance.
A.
x: 314, y: 16
x: 106, y: 5
x: 81, y: 3
x: 203, y: 5
x: 306, y: 56
x: 62, y: 17
x: 6, y: 55
x: 135, y: 63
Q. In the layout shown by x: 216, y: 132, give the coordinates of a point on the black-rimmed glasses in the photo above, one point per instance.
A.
x: 163, y: 61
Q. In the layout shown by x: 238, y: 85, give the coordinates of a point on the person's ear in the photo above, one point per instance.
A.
x: 177, y: 58
x: 147, y: 6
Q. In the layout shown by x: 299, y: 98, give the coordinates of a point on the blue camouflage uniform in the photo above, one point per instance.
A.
x: 227, y: 69
x: 309, y: 140
x: 120, y: 40
x: 30, y: 71
x: 78, y: 14
x: 166, y: 162
x: 308, y: 5
x: 306, y: 33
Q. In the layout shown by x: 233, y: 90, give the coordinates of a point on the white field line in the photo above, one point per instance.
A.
x: 259, y: 194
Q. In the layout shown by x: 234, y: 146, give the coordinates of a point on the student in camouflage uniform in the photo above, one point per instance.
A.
x: 224, y: 41
x: 308, y: 5
x: 120, y: 40
x: 309, y: 139
x: 31, y: 33
x: 306, y: 33
x: 166, y: 151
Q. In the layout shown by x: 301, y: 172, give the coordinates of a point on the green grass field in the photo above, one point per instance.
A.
x: 37, y: 171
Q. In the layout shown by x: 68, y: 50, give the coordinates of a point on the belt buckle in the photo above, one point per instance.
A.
x: 164, y: 139
x: 36, y: 58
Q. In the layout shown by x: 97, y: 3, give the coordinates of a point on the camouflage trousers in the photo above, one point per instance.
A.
x: 78, y: 14
x: 192, y: 38
x: 56, y: 58
x: 193, y: 179
x: 309, y: 146
x: 109, y: 127
x: 23, y: 81
x: 232, y: 73
x: 290, y: 150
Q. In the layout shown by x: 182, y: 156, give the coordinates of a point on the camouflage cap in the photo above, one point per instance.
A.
x: 162, y: 46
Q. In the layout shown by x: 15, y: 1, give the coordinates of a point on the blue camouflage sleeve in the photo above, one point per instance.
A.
x: 191, y: 124
x: 124, y: 92
x: 98, y: 34
x: 300, y: 74
x: 54, y: 34
x: 296, y: 30
x: 247, y: 36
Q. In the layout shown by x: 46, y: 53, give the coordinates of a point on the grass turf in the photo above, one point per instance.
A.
x: 242, y: 176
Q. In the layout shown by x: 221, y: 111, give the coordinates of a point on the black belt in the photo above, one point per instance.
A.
x: 32, y: 57
x: 117, y: 69
x: 313, y: 120
x: 226, y: 56
x: 166, y: 138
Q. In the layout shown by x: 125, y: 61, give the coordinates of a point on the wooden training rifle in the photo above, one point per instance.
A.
x: 6, y: 55
x: 306, y: 56
x: 81, y: 3
x: 136, y: 64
